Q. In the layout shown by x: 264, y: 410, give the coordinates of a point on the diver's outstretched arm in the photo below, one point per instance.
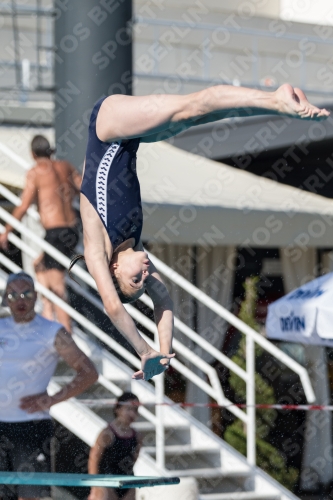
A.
x: 125, y: 117
x: 152, y: 362
x: 163, y: 313
x: 97, y: 260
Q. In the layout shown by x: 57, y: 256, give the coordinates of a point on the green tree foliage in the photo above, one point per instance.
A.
x: 268, y: 457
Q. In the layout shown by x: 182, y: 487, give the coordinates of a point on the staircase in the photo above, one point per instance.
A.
x: 174, y: 442
x: 191, y: 449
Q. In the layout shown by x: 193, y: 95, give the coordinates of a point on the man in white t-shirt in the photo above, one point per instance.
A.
x: 30, y: 347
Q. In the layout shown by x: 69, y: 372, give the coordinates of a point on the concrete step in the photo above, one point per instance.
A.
x: 240, y: 495
x: 224, y: 482
x: 174, y: 435
x: 197, y: 473
x: 181, y: 458
x: 206, y: 472
x: 181, y: 449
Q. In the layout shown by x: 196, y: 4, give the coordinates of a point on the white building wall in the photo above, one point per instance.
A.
x: 307, y: 11
x: 182, y: 47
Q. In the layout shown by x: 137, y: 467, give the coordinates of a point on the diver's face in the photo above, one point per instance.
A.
x: 133, y: 270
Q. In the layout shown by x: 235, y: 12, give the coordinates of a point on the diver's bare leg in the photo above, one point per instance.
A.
x: 122, y: 117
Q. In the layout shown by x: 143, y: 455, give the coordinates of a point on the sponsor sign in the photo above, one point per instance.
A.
x: 292, y: 323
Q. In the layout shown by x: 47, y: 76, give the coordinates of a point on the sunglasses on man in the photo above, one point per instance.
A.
x: 26, y: 295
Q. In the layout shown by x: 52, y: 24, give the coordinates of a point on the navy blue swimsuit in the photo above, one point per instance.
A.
x: 111, y: 185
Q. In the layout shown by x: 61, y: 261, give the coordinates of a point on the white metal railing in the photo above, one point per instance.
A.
x: 97, y: 332
x: 215, y: 389
x: 251, y: 337
x: 15, y: 200
x: 187, y: 286
x: 14, y: 156
x: 144, y: 412
x: 218, y: 355
x: 192, y: 290
x: 237, y: 323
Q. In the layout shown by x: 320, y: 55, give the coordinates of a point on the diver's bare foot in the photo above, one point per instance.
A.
x: 152, y: 363
x: 293, y: 102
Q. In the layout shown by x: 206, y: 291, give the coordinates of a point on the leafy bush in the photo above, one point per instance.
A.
x: 269, y: 458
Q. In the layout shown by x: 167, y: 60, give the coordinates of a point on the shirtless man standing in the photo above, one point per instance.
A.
x: 52, y: 185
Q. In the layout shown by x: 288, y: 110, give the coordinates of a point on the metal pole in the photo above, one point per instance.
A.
x: 159, y: 412
x: 93, y: 59
x: 16, y: 45
x: 39, y: 42
x: 25, y: 65
x: 160, y: 434
x: 250, y: 401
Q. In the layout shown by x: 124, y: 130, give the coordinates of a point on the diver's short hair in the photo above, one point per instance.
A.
x: 40, y: 146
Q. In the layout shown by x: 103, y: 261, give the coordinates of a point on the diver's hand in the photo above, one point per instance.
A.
x: 152, y: 363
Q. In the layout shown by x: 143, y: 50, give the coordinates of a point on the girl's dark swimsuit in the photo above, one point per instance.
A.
x: 118, y: 458
x: 111, y: 185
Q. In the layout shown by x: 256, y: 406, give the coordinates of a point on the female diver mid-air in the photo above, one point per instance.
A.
x: 110, y: 194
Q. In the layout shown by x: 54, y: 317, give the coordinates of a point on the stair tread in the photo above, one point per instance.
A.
x: 147, y: 426
x: 209, y: 472
x: 65, y: 378
x: 240, y: 495
x: 118, y: 377
x: 183, y: 448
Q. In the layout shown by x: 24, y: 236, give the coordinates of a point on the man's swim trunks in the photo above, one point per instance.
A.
x: 63, y: 239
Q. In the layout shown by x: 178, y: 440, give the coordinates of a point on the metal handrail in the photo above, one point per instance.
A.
x: 214, y: 390
x: 201, y: 342
x: 237, y: 323
x: 97, y: 332
x: 100, y: 334
x: 249, y: 417
x: 213, y: 377
x: 192, y: 335
x: 14, y: 156
x: 198, y: 295
x: 15, y: 200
